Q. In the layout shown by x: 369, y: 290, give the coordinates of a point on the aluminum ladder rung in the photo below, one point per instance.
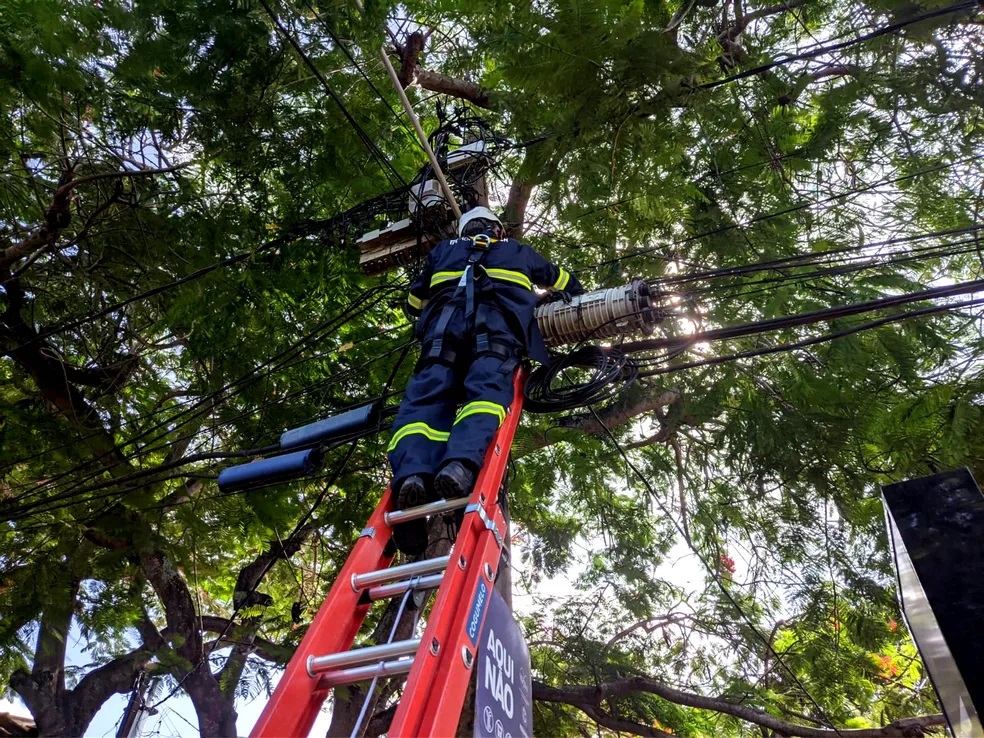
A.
x: 425, y: 511
x: 404, y: 571
x: 420, y: 584
x: 360, y: 656
x: 365, y: 673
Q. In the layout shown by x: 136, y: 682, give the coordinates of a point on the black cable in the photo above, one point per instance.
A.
x: 719, y: 175
x: 374, y: 150
x: 787, y: 211
x: 113, y: 496
x: 891, y: 28
x: 742, y: 290
x: 554, y: 387
x: 791, y: 321
x: 77, y: 488
x: 805, y: 259
x: 894, y: 318
x: 153, y: 292
x: 249, y: 377
x: 358, y: 67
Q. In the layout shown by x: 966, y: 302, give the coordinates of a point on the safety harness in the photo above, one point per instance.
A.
x: 438, y: 349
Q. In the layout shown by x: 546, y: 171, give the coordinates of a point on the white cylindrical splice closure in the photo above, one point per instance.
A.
x: 600, y: 314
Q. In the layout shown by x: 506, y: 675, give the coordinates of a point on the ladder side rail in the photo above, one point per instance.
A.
x: 297, y: 699
x: 436, y: 686
x: 442, y: 709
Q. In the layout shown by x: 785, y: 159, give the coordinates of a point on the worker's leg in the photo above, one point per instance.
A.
x: 417, y: 445
x: 488, y: 390
x: 422, y: 425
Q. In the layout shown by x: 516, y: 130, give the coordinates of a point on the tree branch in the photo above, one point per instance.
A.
x: 65, y: 189
x: 540, y: 164
x: 252, y: 574
x: 437, y: 82
x: 381, y: 721
x: 58, y: 215
x: 262, y: 647
x: 50, y: 375
x: 623, y: 726
x: 409, y: 56
x: 739, y: 26
x: 681, y: 488
x: 591, y: 697
x: 649, y: 625
x: 216, y: 717
x: 100, y: 684
x: 838, y: 70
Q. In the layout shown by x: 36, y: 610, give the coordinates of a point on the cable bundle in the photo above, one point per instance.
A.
x: 554, y: 387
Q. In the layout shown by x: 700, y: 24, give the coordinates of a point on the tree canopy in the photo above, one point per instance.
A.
x: 175, y: 292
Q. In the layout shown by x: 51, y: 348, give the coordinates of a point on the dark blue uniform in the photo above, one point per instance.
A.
x: 475, y: 299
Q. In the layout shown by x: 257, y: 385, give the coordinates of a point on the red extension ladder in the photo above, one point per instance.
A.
x: 439, y: 663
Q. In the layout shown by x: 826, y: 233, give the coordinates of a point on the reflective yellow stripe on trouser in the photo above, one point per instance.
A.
x: 421, y: 429
x: 481, y: 406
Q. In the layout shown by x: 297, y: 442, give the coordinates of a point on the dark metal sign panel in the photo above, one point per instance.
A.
x: 504, y: 693
x: 936, y: 530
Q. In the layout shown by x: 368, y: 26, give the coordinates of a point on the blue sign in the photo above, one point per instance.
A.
x: 478, y: 605
x: 504, y: 695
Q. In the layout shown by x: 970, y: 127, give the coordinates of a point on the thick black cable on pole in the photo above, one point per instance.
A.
x: 550, y: 389
x: 791, y: 321
x: 894, y: 318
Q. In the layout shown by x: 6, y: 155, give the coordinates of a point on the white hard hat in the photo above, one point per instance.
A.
x: 474, y: 214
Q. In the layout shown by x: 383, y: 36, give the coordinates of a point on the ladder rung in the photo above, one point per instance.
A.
x: 424, y: 511
x: 359, y: 656
x: 398, y: 588
x: 364, y: 673
x: 404, y: 571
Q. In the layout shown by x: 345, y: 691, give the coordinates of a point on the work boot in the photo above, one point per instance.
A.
x: 454, y: 480
x: 411, y: 537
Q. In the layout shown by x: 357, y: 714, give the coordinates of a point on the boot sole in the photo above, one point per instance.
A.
x: 447, y: 488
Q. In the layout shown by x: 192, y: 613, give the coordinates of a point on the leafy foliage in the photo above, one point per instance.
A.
x: 156, y: 325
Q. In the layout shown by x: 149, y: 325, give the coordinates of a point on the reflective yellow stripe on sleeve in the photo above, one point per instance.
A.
x: 481, y: 406
x: 508, y: 275
x: 562, y: 280
x: 415, y: 302
x: 421, y: 429
x: 439, y: 277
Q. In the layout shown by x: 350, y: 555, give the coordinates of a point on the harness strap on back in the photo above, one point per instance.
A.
x: 438, y: 350
x: 479, y: 248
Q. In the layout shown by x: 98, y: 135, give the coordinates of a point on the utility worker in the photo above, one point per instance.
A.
x: 475, y: 301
